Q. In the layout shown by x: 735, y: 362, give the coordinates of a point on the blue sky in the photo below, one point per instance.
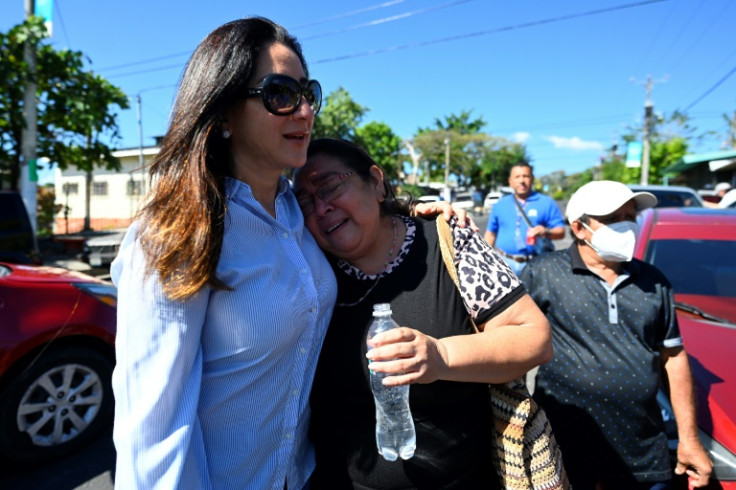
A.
x: 565, y: 77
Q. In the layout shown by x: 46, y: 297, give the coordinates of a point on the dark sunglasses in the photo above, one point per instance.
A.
x: 282, y: 95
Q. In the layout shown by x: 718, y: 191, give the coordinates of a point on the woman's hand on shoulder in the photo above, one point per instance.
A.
x: 408, y: 356
x: 447, y: 210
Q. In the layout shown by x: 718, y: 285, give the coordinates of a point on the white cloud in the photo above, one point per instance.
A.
x: 574, y: 143
x: 520, y: 137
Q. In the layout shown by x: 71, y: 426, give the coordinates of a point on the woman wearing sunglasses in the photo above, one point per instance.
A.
x: 380, y: 255
x: 224, y: 298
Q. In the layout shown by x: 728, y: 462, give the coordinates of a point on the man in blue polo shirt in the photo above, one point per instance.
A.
x: 507, y: 229
x: 616, y: 341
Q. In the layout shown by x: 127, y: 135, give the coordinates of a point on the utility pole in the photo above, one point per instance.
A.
x: 415, y: 159
x: 648, y: 113
x: 28, y: 172
x: 141, y: 161
x: 648, y: 109
x: 448, y: 195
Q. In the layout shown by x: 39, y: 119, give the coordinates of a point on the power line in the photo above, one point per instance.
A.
x: 385, y: 20
x: 143, y: 62
x: 692, y: 44
x: 147, y: 70
x: 397, y: 48
x: 321, y: 21
x: 488, y: 31
x: 57, y: 9
x: 567, y: 124
x: 349, y: 14
x: 715, y: 86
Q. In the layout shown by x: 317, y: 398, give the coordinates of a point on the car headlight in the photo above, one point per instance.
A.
x: 106, y: 293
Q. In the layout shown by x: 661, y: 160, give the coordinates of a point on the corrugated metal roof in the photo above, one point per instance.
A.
x: 692, y: 160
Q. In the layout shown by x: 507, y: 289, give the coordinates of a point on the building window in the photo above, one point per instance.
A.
x: 134, y: 188
x: 70, y: 188
x: 99, y: 188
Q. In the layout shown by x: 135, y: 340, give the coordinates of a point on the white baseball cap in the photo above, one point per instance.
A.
x: 603, y: 197
x: 722, y: 186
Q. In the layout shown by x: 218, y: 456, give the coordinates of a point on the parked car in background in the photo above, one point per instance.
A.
x: 429, y: 198
x: 463, y: 200
x: 17, y: 239
x: 671, y: 195
x: 56, y: 360
x: 694, y: 248
x: 100, y: 251
x: 491, y: 199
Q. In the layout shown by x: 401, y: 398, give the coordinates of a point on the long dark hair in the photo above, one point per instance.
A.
x: 358, y: 159
x: 183, y: 220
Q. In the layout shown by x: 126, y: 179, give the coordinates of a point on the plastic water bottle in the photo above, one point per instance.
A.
x: 395, y: 434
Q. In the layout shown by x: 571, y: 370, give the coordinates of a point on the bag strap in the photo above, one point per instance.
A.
x: 444, y: 233
x: 523, y: 213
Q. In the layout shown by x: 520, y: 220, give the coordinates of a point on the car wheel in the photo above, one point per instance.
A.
x: 59, y: 402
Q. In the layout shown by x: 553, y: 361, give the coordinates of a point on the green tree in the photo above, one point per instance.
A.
x: 339, y: 117
x: 75, y: 113
x: 460, y: 123
x: 476, y: 158
x: 382, y: 144
x: 670, y: 135
x: 47, y: 209
x: 461, y: 136
x: 501, y: 155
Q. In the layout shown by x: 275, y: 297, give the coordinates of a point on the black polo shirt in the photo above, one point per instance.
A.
x: 599, y: 391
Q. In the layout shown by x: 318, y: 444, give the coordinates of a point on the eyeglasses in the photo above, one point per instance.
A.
x: 326, y: 192
x: 282, y: 95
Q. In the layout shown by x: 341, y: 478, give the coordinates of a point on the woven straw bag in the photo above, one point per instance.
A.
x: 526, y: 455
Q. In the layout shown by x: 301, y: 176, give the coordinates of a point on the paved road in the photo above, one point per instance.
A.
x: 92, y: 468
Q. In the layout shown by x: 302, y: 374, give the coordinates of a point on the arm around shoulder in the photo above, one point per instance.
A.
x: 508, y: 345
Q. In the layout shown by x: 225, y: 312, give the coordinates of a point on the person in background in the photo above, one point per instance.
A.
x: 223, y: 297
x: 380, y: 255
x: 728, y: 200
x: 721, y: 189
x: 616, y: 341
x: 507, y: 229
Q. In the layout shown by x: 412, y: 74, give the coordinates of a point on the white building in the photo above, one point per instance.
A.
x: 115, y: 195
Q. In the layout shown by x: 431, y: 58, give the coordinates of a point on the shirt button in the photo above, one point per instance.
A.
x: 285, y: 235
x: 295, y: 392
x: 287, y: 435
x: 303, y: 271
x: 302, y: 350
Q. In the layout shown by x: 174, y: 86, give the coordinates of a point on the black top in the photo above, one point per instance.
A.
x: 452, y: 419
x: 599, y: 391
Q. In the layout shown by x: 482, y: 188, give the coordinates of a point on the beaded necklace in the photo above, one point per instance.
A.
x: 380, y: 274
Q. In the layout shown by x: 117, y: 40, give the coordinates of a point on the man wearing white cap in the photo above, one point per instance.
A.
x: 721, y: 189
x: 616, y: 338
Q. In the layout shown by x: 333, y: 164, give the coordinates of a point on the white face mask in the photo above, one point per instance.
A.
x: 615, y: 242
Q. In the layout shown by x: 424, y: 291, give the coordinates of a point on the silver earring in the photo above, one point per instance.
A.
x: 226, y: 133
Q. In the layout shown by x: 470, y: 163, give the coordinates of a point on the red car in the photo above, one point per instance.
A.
x: 696, y: 250
x: 57, y: 330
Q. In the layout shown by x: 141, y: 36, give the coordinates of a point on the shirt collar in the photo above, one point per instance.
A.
x: 232, y: 186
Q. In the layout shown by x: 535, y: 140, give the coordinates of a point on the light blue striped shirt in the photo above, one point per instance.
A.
x: 213, y: 392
